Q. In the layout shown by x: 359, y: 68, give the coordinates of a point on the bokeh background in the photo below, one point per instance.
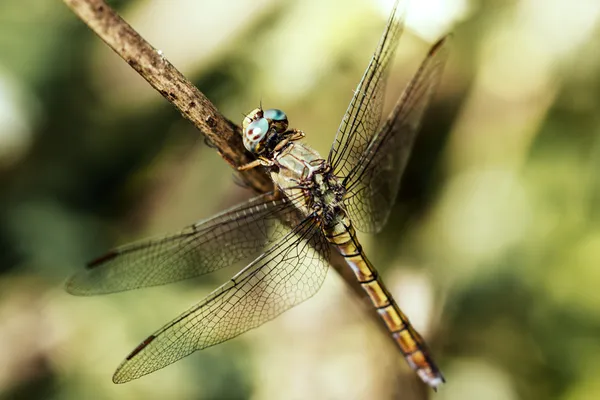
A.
x: 493, y: 248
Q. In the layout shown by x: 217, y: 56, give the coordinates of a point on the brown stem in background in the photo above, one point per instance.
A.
x: 223, y: 134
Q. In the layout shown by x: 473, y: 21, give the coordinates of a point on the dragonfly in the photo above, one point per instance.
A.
x: 288, y: 235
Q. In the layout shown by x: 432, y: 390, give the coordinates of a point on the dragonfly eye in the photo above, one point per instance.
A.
x: 251, y: 116
x: 254, y: 135
x: 277, y: 118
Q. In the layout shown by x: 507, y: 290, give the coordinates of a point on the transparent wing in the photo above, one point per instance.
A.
x: 373, y: 184
x: 291, y: 271
x: 364, y: 111
x: 241, y: 232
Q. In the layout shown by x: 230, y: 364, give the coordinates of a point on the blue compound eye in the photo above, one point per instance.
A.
x: 275, y: 115
x: 255, y: 134
x: 277, y: 118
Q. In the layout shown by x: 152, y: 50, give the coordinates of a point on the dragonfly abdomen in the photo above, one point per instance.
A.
x: 410, y: 342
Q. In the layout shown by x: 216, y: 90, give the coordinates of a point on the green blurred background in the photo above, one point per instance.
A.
x: 492, y: 249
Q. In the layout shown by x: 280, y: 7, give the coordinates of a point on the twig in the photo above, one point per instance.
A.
x: 223, y: 134
x: 193, y: 105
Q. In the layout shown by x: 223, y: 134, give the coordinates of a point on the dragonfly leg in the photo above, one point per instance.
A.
x: 295, y: 134
x: 256, y: 163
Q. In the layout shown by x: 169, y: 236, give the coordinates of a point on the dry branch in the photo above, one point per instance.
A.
x: 168, y: 81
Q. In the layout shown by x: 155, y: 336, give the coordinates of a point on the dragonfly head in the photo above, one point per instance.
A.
x: 260, y: 127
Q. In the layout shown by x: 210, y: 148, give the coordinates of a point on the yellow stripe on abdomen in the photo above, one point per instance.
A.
x: 411, y: 344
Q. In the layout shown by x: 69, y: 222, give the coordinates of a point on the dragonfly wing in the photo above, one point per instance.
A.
x: 373, y: 184
x: 364, y: 111
x: 291, y: 271
x: 241, y: 232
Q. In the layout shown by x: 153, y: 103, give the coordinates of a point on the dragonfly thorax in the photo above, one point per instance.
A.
x: 263, y: 129
x: 326, y: 194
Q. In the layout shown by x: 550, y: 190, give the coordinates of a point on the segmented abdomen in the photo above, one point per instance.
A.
x: 411, y: 344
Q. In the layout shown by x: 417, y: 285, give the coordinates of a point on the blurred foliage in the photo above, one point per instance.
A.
x: 493, y: 247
